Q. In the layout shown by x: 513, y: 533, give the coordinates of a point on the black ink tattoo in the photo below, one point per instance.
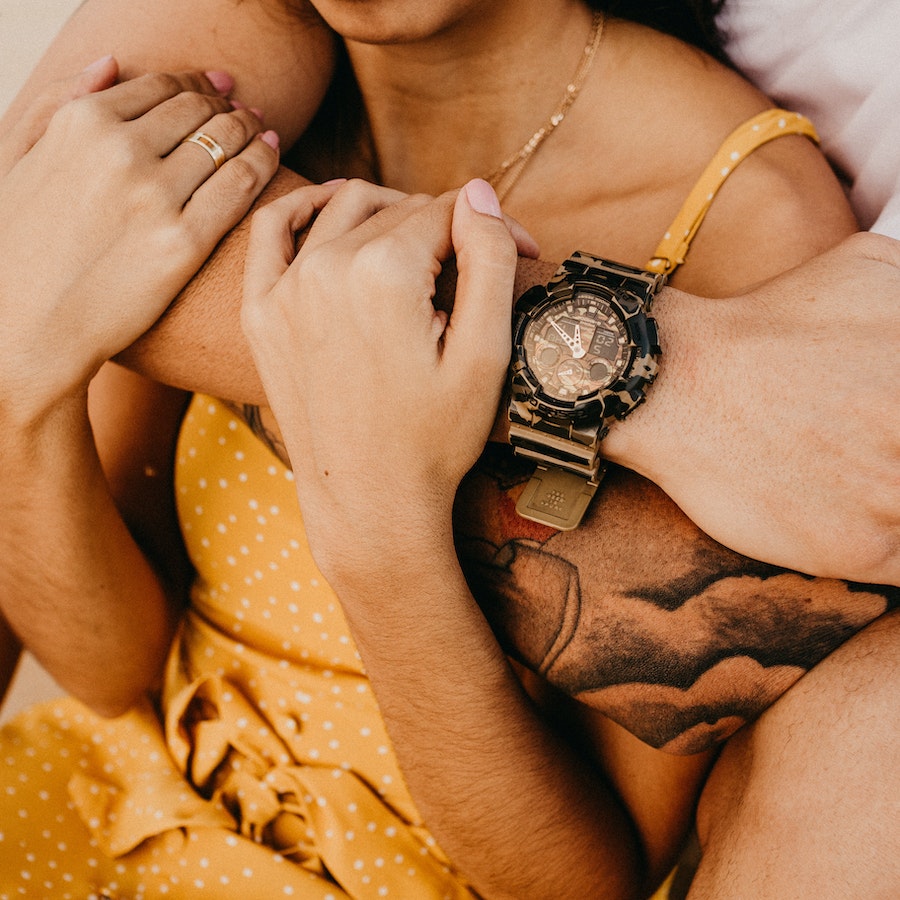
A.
x: 640, y: 615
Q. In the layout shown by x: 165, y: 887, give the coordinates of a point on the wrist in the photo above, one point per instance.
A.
x: 654, y: 440
x: 375, y: 544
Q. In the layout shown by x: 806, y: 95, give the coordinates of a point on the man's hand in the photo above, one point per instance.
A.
x: 774, y: 424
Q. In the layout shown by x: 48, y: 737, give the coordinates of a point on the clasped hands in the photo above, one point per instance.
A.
x: 384, y: 401
x: 773, y: 424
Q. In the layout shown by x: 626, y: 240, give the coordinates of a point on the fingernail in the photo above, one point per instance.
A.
x: 334, y: 181
x: 221, y: 81
x: 98, y: 63
x: 258, y: 113
x: 482, y: 198
x: 271, y: 138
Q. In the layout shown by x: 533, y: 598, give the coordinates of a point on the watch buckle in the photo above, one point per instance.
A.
x: 558, y: 498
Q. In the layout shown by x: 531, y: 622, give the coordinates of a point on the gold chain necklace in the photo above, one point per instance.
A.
x: 507, y: 173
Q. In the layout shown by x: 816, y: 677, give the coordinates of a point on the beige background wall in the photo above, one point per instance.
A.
x: 26, y: 28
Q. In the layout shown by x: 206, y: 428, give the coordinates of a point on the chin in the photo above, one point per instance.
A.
x: 392, y: 21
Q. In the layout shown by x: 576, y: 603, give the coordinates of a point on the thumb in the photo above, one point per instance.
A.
x: 480, y: 325
x: 33, y: 122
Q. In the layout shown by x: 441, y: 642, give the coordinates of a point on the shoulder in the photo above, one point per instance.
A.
x: 780, y: 206
x: 281, y: 61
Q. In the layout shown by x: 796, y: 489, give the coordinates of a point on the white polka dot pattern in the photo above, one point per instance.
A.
x: 271, y: 773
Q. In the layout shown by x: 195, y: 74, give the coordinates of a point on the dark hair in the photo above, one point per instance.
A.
x: 693, y: 21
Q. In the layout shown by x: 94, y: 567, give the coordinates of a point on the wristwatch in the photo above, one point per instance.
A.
x: 585, y: 350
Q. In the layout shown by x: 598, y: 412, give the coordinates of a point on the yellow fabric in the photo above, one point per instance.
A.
x: 269, y: 773
x: 752, y: 134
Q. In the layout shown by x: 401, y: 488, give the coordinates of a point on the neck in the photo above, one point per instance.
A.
x: 453, y: 105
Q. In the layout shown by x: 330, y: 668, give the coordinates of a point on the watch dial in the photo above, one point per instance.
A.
x: 576, y: 347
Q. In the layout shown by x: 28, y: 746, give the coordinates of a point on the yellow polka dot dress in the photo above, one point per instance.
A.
x: 269, y: 773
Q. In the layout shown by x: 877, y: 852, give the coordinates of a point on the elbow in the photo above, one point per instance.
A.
x: 110, y: 701
x: 112, y: 690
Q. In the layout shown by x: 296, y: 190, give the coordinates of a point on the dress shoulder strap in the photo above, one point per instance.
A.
x: 773, y: 123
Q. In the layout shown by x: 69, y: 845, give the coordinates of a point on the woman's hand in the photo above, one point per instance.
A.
x: 107, y: 213
x: 384, y: 401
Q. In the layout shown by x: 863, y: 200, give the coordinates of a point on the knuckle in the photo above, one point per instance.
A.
x: 321, y: 269
x: 121, y: 154
x: 320, y: 263
x: 241, y: 178
x: 198, y: 104
x: 175, y: 240
x: 231, y: 129
x: 163, y: 81
x: 351, y: 191
x: 416, y: 201
x: 81, y: 114
x: 377, y: 260
x: 261, y: 217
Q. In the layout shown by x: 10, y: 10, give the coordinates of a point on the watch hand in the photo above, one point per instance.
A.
x: 570, y: 341
x: 577, y: 350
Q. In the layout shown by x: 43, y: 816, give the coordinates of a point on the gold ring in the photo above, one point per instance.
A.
x: 212, y: 147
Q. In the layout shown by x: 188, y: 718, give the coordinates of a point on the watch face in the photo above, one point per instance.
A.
x: 576, y: 347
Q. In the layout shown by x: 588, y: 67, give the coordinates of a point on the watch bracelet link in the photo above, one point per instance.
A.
x: 582, y: 266
x: 582, y: 459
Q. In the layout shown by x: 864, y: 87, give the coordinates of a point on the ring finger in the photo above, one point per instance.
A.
x: 208, y: 145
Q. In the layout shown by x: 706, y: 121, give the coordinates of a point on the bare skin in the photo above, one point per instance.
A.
x: 771, y: 250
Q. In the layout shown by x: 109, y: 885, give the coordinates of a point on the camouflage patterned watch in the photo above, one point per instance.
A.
x: 584, y: 352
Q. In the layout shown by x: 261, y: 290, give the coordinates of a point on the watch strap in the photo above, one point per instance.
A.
x: 569, y: 467
x: 557, y: 497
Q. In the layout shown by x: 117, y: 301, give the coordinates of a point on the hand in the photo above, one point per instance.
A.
x: 107, y: 214
x: 774, y: 423
x: 382, y: 424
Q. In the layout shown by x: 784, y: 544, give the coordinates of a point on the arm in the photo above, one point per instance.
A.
x: 538, y: 819
x: 74, y: 641
x: 200, y: 346
x: 640, y: 615
x: 280, y: 63
x: 75, y: 587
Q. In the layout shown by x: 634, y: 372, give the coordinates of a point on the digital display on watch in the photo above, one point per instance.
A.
x: 576, y: 347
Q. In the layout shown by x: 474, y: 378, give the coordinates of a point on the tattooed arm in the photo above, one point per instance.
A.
x: 637, y: 613
x: 640, y: 615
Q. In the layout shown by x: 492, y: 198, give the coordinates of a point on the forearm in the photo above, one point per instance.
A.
x: 74, y: 586
x: 515, y: 808
x: 199, y: 345
x: 642, y: 616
